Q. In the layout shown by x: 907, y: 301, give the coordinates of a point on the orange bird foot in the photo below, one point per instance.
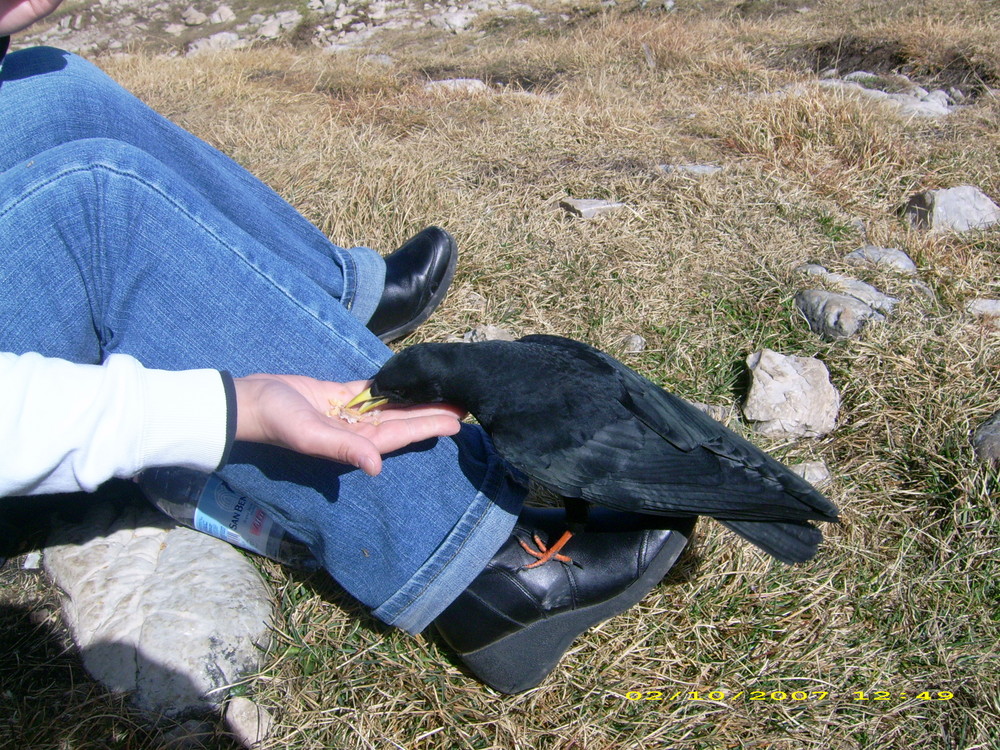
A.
x: 543, y: 553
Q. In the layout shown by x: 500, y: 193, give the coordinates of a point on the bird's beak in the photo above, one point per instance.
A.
x: 365, y: 401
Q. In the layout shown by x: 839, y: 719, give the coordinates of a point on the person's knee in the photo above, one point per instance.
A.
x: 50, y: 62
x: 96, y: 152
x: 48, y: 95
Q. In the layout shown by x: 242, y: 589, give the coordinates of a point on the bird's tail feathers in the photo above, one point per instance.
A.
x: 788, y: 541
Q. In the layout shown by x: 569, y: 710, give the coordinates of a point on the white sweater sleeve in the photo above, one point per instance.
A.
x: 67, y: 427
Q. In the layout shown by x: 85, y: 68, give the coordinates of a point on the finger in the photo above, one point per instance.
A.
x: 323, y: 440
x: 423, y: 410
x: 398, y: 433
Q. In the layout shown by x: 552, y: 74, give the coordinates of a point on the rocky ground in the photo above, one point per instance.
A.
x: 178, y: 27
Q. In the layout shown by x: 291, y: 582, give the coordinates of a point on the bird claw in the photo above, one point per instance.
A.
x: 543, y: 553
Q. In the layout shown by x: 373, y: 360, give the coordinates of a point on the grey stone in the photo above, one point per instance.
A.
x: 883, y: 257
x: 249, y: 723
x: 986, y: 439
x: 814, y: 472
x: 861, y: 291
x: 812, y: 269
x: 589, y: 208
x: 174, y: 29
x: 167, y: 614
x: 957, y: 209
x: 790, y: 396
x: 719, y: 413
x: 487, y: 333
x: 832, y: 315
x: 633, y: 344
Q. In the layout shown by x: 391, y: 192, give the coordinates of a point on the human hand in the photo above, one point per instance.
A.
x: 16, y: 15
x: 291, y: 411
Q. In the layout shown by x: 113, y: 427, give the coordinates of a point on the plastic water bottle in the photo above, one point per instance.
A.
x: 206, y: 503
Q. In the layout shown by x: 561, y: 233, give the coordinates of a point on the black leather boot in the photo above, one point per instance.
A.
x: 512, y: 625
x: 417, y: 276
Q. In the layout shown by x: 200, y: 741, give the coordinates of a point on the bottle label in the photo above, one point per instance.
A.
x: 236, y: 518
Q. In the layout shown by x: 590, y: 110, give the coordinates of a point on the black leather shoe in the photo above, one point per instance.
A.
x: 417, y: 276
x: 513, y: 624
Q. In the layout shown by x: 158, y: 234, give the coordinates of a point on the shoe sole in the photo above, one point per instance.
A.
x: 436, y: 299
x: 521, y: 660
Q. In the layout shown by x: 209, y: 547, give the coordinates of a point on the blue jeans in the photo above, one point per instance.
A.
x: 123, y: 233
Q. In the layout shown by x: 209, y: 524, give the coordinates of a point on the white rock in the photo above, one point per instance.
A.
x: 986, y: 439
x: 832, y: 315
x: 589, y: 209
x: 380, y: 59
x: 861, y: 76
x: 957, y: 209
x: 487, y: 333
x: 883, y: 257
x: 692, y: 169
x: 905, y: 104
x: 288, y: 18
x: 193, y: 17
x: 250, y: 724
x: 814, y: 472
x: 270, y: 29
x: 455, y: 20
x: 457, y: 85
x: 174, y: 29
x: 985, y: 308
x: 167, y: 614
x: 909, y: 105
x: 216, y: 42
x: 222, y: 14
x: 634, y: 343
x: 790, y: 396
x: 866, y: 293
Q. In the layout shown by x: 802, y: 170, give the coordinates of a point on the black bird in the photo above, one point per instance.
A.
x: 586, y: 426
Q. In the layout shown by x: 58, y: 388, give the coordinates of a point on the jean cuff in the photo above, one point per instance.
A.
x: 364, y: 280
x: 463, y: 554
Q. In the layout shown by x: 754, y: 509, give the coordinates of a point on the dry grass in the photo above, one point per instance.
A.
x: 903, y: 597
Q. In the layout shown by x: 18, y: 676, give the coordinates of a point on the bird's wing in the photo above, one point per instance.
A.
x: 761, y: 477
x: 656, y: 452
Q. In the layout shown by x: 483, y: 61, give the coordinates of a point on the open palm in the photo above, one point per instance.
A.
x: 292, y: 411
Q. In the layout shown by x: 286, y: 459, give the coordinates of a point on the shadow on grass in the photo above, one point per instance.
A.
x: 47, y: 699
